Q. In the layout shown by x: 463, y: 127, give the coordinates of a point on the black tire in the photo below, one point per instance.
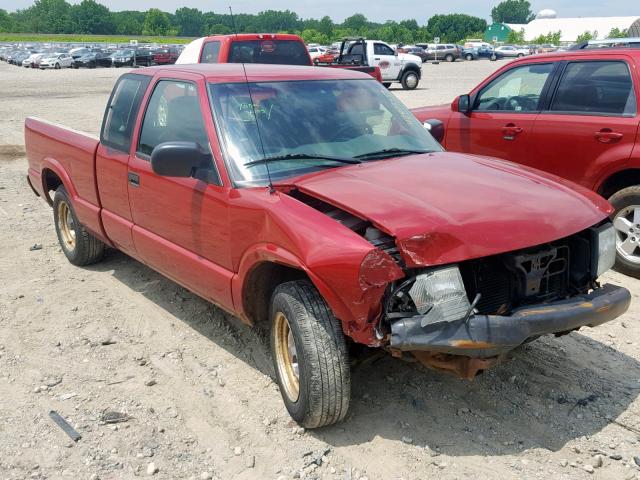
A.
x: 57, y: 66
x: 86, y: 249
x: 386, y: 84
x: 449, y: 58
x: 410, y: 80
x: 468, y: 57
x: 520, y: 55
x: 324, y: 387
x: 620, y: 200
x: 493, y: 57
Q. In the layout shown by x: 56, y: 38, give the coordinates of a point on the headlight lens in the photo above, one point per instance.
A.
x: 605, y: 239
x: 440, y: 295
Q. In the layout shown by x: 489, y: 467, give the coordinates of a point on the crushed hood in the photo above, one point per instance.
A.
x: 447, y: 207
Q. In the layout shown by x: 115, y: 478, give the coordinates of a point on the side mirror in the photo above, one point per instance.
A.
x: 179, y: 159
x: 436, y: 128
x: 462, y: 104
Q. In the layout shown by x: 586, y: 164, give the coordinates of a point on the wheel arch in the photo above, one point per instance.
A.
x: 262, y: 269
x: 616, y: 181
x: 408, y: 68
x: 53, y: 175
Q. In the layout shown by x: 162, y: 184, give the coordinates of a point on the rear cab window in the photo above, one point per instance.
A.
x: 270, y: 51
x: 210, y: 52
x: 595, y: 87
x: 122, y: 110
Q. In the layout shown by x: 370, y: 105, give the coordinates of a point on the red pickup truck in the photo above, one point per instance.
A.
x: 574, y: 114
x: 269, y: 48
x: 310, y: 200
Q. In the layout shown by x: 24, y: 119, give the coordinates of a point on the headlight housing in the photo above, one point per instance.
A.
x: 439, y: 295
x: 604, y: 248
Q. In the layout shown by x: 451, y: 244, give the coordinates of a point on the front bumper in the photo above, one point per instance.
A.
x: 484, y: 336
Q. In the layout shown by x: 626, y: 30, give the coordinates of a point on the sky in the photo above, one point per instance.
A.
x: 376, y: 10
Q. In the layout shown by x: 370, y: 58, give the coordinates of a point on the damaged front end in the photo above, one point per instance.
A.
x: 466, y: 317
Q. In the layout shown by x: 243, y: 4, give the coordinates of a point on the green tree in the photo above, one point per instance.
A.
x: 314, y: 36
x: 129, y: 22
x: 355, y: 22
x: 47, y: 16
x: 6, y: 22
x: 189, y: 21
x: 326, y: 26
x: 516, y: 37
x: 552, y: 37
x: 617, y: 33
x: 277, y: 21
x: 512, y: 11
x: 455, y: 27
x: 156, y: 22
x: 586, y: 36
x: 91, y: 17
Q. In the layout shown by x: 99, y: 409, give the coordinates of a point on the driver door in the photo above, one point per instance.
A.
x: 503, y: 114
x: 385, y: 58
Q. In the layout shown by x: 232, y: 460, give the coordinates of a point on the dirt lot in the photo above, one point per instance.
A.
x: 198, y: 387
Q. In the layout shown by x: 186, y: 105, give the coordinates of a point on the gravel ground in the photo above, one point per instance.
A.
x: 194, y: 388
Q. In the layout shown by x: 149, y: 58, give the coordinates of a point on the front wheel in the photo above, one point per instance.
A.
x: 79, y: 246
x: 409, y: 80
x: 57, y: 66
x: 626, y: 221
x: 493, y: 57
x: 468, y: 57
x: 449, y: 58
x: 520, y: 55
x: 310, y: 355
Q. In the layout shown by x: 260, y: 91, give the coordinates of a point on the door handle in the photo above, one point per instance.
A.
x: 377, y: 58
x: 134, y: 179
x: 606, y: 135
x: 510, y: 131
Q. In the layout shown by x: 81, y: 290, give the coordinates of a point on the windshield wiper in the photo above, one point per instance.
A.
x: 390, y: 152
x: 302, y: 156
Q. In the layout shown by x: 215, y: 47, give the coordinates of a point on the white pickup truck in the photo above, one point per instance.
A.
x: 395, y: 67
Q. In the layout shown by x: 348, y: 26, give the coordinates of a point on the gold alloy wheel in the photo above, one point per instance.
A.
x: 286, y: 357
x: 66, y: 226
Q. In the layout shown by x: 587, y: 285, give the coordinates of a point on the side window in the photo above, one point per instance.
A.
x: 210, y: 52
x: 122, y: 109
x: 173, y: 115
x: 595, y: 88
x: 382, y: 49
x: 517, y: 90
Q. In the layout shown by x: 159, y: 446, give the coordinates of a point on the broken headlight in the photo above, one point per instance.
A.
x: 604, y: 246
x: 439, y: 295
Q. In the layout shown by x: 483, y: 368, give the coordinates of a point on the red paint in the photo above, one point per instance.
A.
x: 440, y: 207
x: 586, y: 149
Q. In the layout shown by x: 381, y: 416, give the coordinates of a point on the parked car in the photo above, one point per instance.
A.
x: 93, y: 60
x: 57, y: 61
x: 478, y: 53
x: 165, y: 56
x: 546, y: 48
x: 574, y: 114
x: 316, y: 51
x: 417, y: 51
x: 275, y: 49
x: 330, y: 56
x: 320, y: 207
x: 447, y: 52
x: 512, y: 51
x: 32, y: 60
x: 79, y: 52
x: 130, y: 57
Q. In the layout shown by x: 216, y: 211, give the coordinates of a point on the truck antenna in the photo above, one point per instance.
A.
x: 233, y: 22
x: 255, y: 114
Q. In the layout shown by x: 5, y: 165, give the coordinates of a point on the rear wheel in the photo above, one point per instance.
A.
x: 520, y: 55
x: 493, y: 57
x: 310, y: 355
x: 78, y: 245
x: 57, y: 66
x: 626, y: 221
x: 409, y: 80
x: 449, y: 58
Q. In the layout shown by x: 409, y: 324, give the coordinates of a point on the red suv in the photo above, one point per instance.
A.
x: 574, y: 114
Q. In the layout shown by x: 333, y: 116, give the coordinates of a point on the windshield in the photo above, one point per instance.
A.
x: 281, y: 52
x: 304, y: 119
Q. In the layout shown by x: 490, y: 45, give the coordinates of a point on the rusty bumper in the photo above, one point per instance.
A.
x: 484, y: 336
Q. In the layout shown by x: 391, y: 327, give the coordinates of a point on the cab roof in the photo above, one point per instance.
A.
x: 255, y: 72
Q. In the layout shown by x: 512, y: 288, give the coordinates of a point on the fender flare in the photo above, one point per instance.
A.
x: 49, y: 163
x: 410, y: 67
x: 269, y: 252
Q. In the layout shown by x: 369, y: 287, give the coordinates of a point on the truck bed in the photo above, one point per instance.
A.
x: 59, y: 154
